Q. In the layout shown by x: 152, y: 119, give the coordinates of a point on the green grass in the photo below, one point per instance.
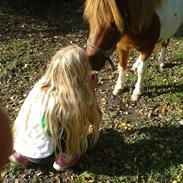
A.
x: 150, y: 152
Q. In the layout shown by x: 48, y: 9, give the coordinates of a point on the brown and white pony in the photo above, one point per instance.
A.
x: 127, y: 24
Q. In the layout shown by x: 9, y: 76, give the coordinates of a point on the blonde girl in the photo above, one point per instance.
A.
x: 55, y: 117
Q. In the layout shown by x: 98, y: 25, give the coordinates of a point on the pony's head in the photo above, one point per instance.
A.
x: 105, y: 24
x: 69, y: 100
x: 108, y: 22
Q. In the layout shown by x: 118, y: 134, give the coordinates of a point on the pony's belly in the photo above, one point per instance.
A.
x: 171, y: 17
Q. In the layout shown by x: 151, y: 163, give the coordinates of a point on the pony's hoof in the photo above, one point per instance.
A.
x: 135, y: 97
x: 117, y: 92
x: 161, y: 67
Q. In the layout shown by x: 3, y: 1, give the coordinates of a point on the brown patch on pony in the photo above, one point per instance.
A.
x: 143, y: 41
x: 139, y: 12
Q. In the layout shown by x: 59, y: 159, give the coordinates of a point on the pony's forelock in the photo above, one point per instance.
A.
x: 95, y: 13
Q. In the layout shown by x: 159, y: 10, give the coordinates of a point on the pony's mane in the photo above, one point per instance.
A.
x: 139, y: 12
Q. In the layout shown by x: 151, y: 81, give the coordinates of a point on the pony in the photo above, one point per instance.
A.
x: 126, y: 25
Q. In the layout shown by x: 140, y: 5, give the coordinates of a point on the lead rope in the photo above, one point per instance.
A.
x: 111, y: 64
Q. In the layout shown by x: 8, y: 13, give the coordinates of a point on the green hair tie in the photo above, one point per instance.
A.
x: 43, y: 122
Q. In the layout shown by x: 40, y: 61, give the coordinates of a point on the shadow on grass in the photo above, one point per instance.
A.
x: 153, y: 149
x: 162, y: 89
x: 173, y: 63
x: 157, y: 150
x: 61, y: 16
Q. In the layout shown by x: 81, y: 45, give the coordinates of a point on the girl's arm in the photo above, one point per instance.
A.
x: 6, y: 142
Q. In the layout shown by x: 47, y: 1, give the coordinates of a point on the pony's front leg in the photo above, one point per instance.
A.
x: 141, y: 71
x: 122, y: 65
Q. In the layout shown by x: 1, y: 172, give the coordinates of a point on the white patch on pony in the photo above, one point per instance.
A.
x: 135, y: 65
x: 121, y: 80
x: 141, y: 71
x: 171, y: 17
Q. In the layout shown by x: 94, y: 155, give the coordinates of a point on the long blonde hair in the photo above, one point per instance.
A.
x: 70, y: 103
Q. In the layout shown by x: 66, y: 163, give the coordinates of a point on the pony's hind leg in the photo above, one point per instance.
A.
x: 161, y: 58
x: 141, y: 71
x: 122, y: 65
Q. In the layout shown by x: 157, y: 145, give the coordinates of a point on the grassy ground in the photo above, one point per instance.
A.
x: 139, y: 142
